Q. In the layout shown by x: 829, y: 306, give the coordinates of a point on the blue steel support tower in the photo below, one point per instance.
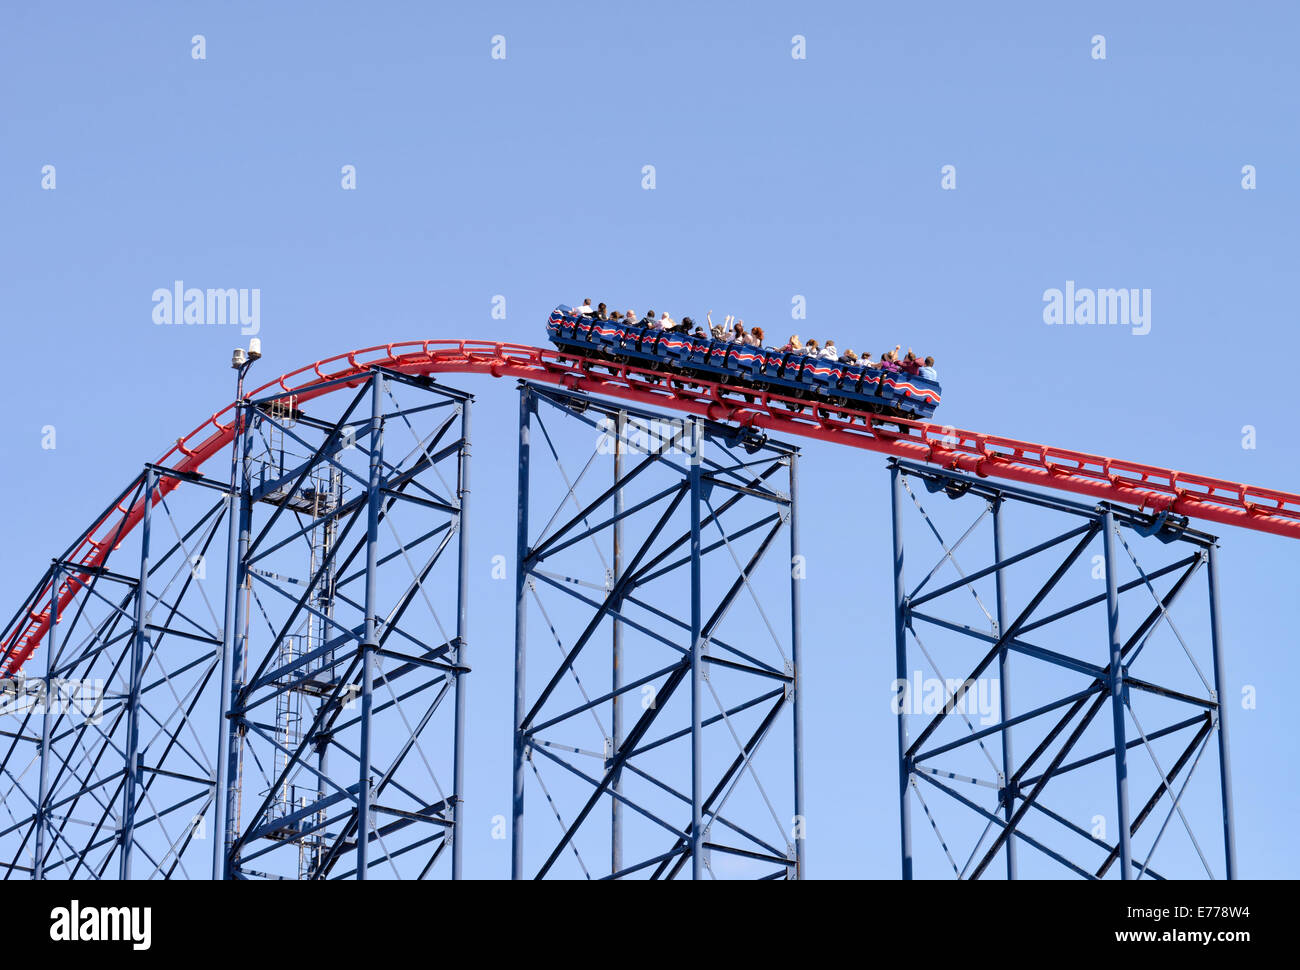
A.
x: 303, y: 719
x: 682, y: 516
x: 1088, y: 626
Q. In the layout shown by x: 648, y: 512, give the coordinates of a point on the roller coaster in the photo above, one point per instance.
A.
x: 865, y: 388
x: 738, y: 405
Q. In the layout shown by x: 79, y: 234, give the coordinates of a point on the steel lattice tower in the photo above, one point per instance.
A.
x: 1090, y: 765
x: 332, y: 660
x: 662, y: 736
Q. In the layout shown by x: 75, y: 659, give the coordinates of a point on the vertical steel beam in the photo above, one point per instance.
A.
x: 1004, y: 685
x: 239, y: 658
x: 322, y: 791
x: 1220, y: 687
x: 134, y: 674
x: 616, y: 718
x: 370, y: 644
x: 796, y: 649
x: 1117, y: 693
x: 521, y: 616
x: 225, y: 690
x: 43, y: 789
x: 325, y: 603
x: 697, y: 660
x: 462, y: 634
x: 900, y: 664
x: 225, y: 827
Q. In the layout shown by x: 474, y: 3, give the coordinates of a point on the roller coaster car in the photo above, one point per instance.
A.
x: 891, y: 393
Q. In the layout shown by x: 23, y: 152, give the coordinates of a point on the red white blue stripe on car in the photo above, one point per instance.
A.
x: 911, y: 390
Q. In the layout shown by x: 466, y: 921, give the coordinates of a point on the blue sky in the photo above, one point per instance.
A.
x: 775, y: 177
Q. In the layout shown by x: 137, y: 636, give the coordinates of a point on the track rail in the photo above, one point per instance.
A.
x: 1146, y: 487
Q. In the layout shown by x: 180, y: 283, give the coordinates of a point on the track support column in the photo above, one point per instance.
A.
x: 901, y: 672
x: 1220, y: 687
x: 375, y: 499
x: 1004, y: 684
x: 43, y: 789
x: 616, y: 676
x: 799, y: 823
x: 131, y: 767
x: 226, y: 794
x: 1117, y: 694
x: 462, y: 649
x: 697, y: 660
x: 521, y: 638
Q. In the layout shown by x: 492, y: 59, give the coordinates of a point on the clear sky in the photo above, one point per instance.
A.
x: 775, y: 177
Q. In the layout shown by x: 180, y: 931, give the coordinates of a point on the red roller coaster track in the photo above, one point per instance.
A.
x: 1131, y: 483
